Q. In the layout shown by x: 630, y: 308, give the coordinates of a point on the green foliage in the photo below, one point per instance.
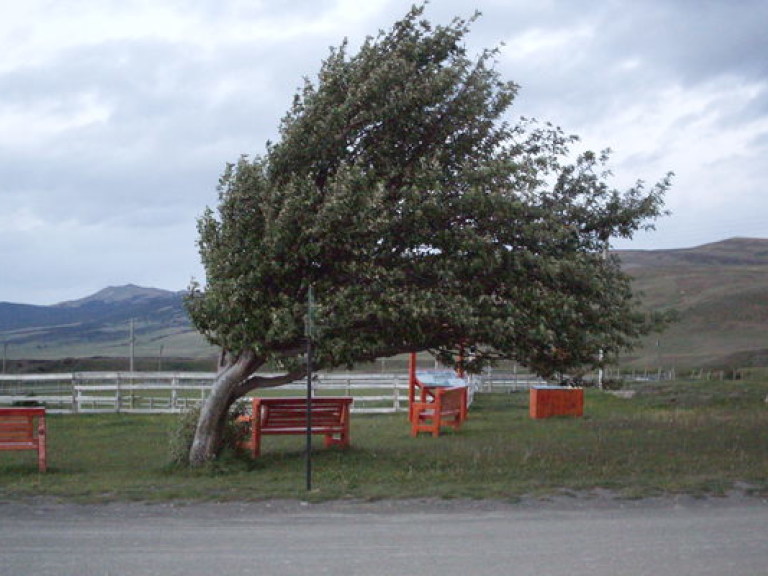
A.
x: 422, y: 219
x: 181, y: 436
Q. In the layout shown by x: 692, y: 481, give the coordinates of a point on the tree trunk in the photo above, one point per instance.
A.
x: 213, y: 415
x: 235, y: 380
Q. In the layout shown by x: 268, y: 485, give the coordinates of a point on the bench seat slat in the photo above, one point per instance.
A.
x: 299, y: 430
x: 15, y: 432
x: 10, y: 446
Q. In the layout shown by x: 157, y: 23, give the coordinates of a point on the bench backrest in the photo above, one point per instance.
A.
x: 17, y: 425
x: 450, y: 399
x: 292, y: 412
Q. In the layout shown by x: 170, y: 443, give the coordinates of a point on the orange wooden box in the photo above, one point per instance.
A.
x: 548, y: 401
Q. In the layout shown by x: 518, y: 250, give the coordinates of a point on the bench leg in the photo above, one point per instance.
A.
x: 415, y: 417
x: 433, y: 423
x: 343, y: 439
x: 42, y: 461
x: 256, y: 441
x: 417, y: 426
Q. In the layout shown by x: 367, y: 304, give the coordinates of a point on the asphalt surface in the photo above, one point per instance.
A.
x: 568, y: 536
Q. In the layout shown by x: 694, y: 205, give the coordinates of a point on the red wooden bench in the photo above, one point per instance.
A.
x: 18, y: 431
x: 447, y: 407
x: 330, y: 417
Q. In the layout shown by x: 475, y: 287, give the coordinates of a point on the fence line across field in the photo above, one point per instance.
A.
x: 173, y: 392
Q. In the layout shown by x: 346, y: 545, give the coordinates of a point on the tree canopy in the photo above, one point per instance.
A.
x: 423, y: 218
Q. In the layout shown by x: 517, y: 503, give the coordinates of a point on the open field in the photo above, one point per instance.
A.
x: 695, y: 438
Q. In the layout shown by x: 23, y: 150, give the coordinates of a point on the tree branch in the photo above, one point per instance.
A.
x: 254, y: 381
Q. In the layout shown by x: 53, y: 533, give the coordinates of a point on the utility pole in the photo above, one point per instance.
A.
x: 5, y: 354
x: 133, y: 349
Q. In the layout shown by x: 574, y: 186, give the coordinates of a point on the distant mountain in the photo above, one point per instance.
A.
x: 117, y: 294
x: 733, y: 252
x: 721, y: 293
x: 100, y: 325
x: 114, y: 304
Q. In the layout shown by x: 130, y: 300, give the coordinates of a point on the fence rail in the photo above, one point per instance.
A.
x: 165, y: 392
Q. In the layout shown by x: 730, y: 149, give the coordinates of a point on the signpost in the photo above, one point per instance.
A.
x: 310, y: 332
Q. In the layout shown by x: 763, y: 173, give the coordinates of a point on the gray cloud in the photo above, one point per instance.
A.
x: 115, y: 123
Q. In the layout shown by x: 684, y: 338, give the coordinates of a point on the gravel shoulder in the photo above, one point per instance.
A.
x: 571, y: 501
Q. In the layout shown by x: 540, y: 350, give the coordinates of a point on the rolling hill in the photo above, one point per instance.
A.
x: 100, y: 326
x: 720, y: 291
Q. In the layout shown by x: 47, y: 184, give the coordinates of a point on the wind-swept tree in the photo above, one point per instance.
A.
x: 422, y: 219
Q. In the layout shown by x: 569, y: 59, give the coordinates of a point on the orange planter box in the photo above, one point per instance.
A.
x: 548, y: 401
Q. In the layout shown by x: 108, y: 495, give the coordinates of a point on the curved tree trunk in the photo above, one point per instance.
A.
x: 235, y: 380
x: 210, y: 426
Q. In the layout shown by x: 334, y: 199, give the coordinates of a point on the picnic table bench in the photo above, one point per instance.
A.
x: 435, y: 399
x: 443, y: 407
x: 330, y: 417
x: 24, y: 429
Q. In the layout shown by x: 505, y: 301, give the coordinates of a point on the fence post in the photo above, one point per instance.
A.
x: 488, y: 382
x: 75, y: 399
x: 117, y: 394
x: 395, y: 395
x: 514, y: 371
x: 174, y: 391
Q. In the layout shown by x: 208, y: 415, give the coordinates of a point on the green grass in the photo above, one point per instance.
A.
x: 694, y: 438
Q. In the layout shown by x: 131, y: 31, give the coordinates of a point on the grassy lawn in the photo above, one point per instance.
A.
x: 695, y: 438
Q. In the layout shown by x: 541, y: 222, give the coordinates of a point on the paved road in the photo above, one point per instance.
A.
x: 450, y: 538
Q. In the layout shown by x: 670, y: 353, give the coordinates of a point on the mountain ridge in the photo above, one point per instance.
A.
x: 119, y: 294
x: 736, y: 251
x: 112, y: 302
x: 101, y: 324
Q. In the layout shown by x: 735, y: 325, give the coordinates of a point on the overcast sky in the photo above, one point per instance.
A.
x: 118, y: 116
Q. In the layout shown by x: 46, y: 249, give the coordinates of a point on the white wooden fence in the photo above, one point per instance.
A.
x: 165, y: 392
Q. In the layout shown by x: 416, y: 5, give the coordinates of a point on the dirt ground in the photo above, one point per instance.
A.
x: 592, y: 534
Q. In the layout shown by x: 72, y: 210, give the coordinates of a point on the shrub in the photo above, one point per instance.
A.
x: 183, y: 433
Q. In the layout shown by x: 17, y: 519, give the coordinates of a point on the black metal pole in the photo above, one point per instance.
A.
x: 310, y: 304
